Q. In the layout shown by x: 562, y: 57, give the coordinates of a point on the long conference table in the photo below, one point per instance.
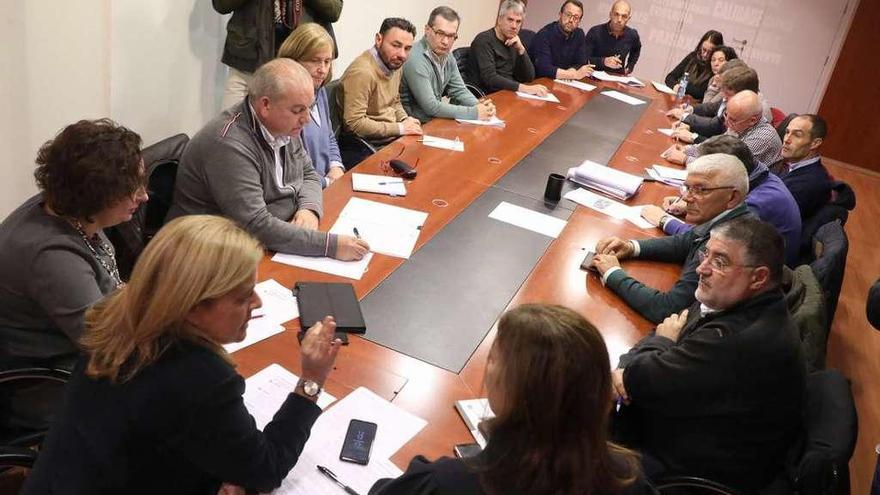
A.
x: 438, y: 309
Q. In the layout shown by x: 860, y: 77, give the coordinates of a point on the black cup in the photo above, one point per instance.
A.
x: 553, y: 192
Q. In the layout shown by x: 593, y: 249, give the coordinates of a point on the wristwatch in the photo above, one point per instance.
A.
x: 310, y: 388
x: 662, y: 222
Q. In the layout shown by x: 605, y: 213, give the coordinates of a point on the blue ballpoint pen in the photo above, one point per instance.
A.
x: 326, y: 472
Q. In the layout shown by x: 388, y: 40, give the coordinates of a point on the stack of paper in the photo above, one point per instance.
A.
x: 605, y: 179
x: 662, y: 88
x: 550, y: 97
x: 442, y: 143
x: 279, y: 306
x: 632, y: 214
x: 617, y: 95
x: 348, y: 269
x: 388, y: 229
x: 492, y: 122
x: 474, y: 412
x: 576, y: 84
x: 381, y: 184
x: 667, y: 175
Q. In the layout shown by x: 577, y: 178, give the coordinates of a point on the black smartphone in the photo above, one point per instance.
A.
x: 358, y: 442
x: 463, y: 450
x: 588, y: 259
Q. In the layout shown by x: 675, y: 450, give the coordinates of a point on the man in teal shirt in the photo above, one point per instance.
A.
x: 431, y: 73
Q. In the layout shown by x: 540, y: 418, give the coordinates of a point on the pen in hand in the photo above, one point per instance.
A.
x: 326, y: 472
x: 356, y: 233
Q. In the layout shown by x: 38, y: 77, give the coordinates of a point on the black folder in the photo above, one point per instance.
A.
x: 318, y: 299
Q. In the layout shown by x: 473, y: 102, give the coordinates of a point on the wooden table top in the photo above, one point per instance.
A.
x: 447, y: 183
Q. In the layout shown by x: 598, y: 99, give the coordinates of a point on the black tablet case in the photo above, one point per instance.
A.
x: 319, y: 299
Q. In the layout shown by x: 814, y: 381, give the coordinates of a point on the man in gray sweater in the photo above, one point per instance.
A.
x: 249, y: 164
x: 431, y: 72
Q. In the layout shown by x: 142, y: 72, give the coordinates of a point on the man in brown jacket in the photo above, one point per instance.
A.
x: 369, y: 93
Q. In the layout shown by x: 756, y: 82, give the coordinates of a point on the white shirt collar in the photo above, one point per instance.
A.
x: 275, y: 143
x: 803, y: 163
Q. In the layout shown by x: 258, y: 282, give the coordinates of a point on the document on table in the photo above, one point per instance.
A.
x: 528, y: 219
x: 348, y: 269
x: 667, y: 132
x: 628, y: 80
x: 494, y: 121
x: 381, y: 184
x: 442, y: 143
x: 550, y: 97
x: 675, y: 174
x: 605, y: 179
x: 268, y: 389
x: 389, y: 230
x: 662, y: 88
x: 279, y: 306
x: 258, y: 328
x: 576, y: 84
x: 617, y: 95
x: 608, y: 206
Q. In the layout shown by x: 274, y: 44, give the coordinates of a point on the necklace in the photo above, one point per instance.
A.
x: 111, y: 268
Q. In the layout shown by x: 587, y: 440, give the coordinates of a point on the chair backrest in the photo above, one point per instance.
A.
x: 806, y: 303
x: 130, y: 238
x: 462, y: 55
x: 831, y: 249
x: 29, y: 397
x: 778, y: 117
x: 335, y: 113
x: 526, y: 36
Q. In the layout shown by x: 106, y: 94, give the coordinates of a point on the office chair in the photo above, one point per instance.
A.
x: 462, y: 56
x: 830, y: 247
x: 526, y: 36
x: 350, y: 145
x: 130, y: 238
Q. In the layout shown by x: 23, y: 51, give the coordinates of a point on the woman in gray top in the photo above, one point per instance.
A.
x: 55, y: 260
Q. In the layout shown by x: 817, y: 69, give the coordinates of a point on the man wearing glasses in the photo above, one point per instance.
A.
x: 715, y: 190
x: 431, y: 73
x: 559, y: 49
x: 718, y: 389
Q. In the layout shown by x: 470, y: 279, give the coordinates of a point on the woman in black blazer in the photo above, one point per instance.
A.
x: 548, y: 379
x: 155, y: 404
x: 696, y: 64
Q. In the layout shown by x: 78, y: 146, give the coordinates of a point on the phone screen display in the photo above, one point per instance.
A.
x: 358, y: 442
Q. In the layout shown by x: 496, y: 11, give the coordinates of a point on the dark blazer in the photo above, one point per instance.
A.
x: 705, y: 121
x: 810, y: 186
x: 725, y: 400
x: 447, y: 476
x: 680, y: 248
x: 179, y: 426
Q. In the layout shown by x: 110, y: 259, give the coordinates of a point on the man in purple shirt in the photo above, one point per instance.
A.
x: 559, y: 49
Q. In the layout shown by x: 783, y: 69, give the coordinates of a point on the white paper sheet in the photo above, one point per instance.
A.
x: 442, y: 143
x: 266, y: 390
x: 260, y: 328
x: 305, y: 479
x: 662, y: 88
x: 348, y: 269
x: 604, y: 76
x: 390, y: 230
x: 528, y: 219
x: 606, y: 179
x: 667, y: 132
x: 550, y: 97
x: 381, y: 184
x: 609, y: 207
x: 635, y: 217
x: 671, y: 173
x: 494, y: 121
x: 279, y: 303
x: 617, y: 95
x: 576, y: 84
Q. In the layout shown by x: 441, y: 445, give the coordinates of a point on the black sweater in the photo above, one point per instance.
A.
x: 700, y: 73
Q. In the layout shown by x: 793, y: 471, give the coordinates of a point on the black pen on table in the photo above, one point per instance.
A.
x: 326, y: 472
x: 356, y: 234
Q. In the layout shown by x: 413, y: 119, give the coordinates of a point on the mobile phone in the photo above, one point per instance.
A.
x: 588, y: 259
x: 463, y: 450
x: 358, y: 442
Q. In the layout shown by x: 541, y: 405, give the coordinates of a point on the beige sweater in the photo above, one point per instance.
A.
x: 370, y: 100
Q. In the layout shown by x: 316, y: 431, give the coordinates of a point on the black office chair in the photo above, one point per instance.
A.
x: 352, y: 147
x: 526, y: 36
x: 820, y: 461
x: 130, y: 238
x: 462, y: 55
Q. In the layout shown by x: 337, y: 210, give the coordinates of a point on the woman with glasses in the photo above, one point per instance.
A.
x: 55, y: 260
x: 548, y: 381
x: 697, y: 65
x: 312, y: 47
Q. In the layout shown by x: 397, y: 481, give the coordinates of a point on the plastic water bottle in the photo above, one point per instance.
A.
x: 682, y: 87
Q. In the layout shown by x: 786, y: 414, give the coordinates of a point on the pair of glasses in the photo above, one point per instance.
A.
x: 699, y: 191
x: 573, y: 17
x: 718, y: 263
x: 443, y: 34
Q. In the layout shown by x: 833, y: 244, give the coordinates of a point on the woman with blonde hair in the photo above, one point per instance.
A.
x: 312, y: 47
x: 548, y: 381
x: 155, y: 404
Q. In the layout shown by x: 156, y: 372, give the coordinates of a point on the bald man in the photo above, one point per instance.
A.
x: 249, y: 164
x: 745, y: 120
x: 614, y: 46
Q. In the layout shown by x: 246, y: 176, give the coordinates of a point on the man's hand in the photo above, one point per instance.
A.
x: 411, y: 127
x: 674, y: 205
x: 653, y: 214
x: 306, y: 219
x: 485, y: 110
x: 682, y: 134
x: 675, y: 154
x: 618, y: 390
x: 616, y: 246
x: 350, y: 248
x: 613, y: 62
x: 604, y: 262
x: 584, y: 71
x: 227, y: 489
x: 672, y: 325
x: 533, y: 89
x: 334, y: 174
x: 676, y: 113
x: 318, y: 350
x: 517, y: 44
